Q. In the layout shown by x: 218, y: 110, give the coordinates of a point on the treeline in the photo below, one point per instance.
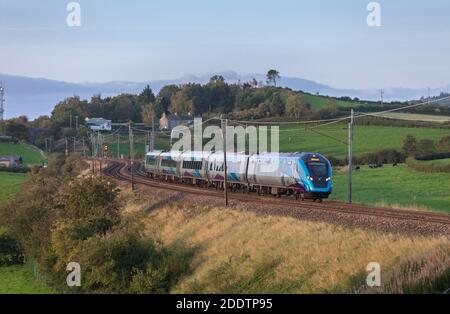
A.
x: 425, y: 147
x: 244, y: 101
x: 248, y: 101
x: 383, y: 156
x: 59, y: 218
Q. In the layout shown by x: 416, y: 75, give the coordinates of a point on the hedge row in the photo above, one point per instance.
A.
x: 14, y: 169
x: 423, y: 167
x: 384, y: 156
x: 434, y: 156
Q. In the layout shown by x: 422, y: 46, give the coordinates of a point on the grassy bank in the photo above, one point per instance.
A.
x: 396, y: 186
x: 240, y: 252
x: 31, y: 155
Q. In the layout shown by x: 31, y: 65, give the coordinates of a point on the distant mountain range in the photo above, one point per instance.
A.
x: 37, y: 96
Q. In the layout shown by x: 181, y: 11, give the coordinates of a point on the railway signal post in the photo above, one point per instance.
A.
x: 225, y: 180
x: 350, y: 156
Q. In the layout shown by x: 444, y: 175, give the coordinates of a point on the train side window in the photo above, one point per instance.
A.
x: 194, y: 165
x: 151, y: 161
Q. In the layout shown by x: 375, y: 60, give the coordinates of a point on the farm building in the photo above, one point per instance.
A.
x: 99, y: 124
x: 168, y: 122
x: 11, y: 161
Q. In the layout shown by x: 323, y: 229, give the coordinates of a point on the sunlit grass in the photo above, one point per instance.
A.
x: 241, y: 252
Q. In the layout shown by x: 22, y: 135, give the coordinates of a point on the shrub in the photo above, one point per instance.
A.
x: 10, y: 252
x: 91, y: 203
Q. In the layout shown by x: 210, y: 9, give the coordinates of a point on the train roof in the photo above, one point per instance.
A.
x: 203, y: 153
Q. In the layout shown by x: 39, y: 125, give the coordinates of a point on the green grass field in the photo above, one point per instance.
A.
x: 367, y: 138
x: 30, y: 154
x: 10, y: 184
x: 19, y: 279
x: 396, y: 186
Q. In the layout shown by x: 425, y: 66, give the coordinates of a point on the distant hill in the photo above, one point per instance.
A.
x: 37, y: 96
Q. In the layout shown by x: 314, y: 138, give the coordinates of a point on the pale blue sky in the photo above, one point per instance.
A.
x: 324, y: 40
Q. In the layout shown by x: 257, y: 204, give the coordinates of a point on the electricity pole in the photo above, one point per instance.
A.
x: 97, y: 146
x: 118, y: 145
x: 350, y: 156
x: 153, y: 133
x: 93, y: 152
x: 67, y: 149
x: 2, y: 111
x: 225, y: 179
x: 84, y: 147
x: 130, y: 135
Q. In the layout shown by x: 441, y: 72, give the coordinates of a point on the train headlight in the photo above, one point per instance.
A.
x: 328, y: 179
x: 310, y: 178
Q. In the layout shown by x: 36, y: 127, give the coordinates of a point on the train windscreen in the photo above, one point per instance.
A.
x: 317, y: 169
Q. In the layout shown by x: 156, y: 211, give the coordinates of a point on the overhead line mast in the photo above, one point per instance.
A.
x: 2, y: 110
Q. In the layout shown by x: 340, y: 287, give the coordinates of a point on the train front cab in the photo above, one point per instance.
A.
x: 318, y: 173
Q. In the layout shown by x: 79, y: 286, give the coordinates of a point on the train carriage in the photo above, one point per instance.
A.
x: 193, y: 166
x: 236, y: 168
x: 274, y: 173
x: 152, y: 161
x: 169, y: 165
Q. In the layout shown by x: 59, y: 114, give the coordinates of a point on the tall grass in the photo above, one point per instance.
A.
x: 241, y: 252
x: 426, y: 273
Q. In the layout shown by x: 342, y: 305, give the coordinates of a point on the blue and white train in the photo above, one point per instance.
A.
x: 303, y: 175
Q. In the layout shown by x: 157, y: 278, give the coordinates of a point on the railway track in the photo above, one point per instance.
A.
x: 120, y: 170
